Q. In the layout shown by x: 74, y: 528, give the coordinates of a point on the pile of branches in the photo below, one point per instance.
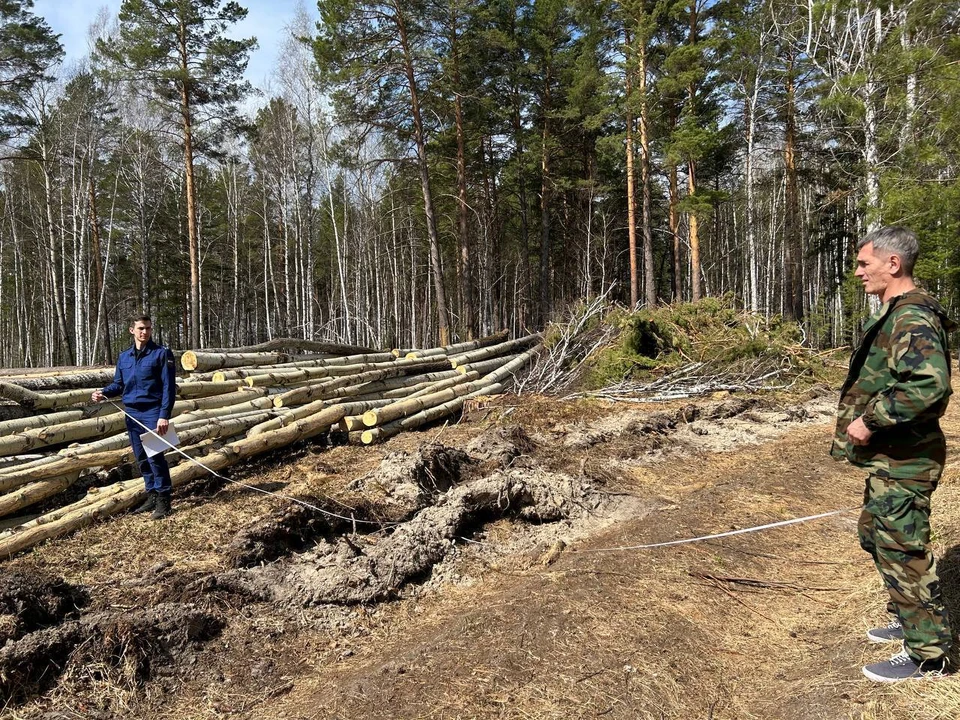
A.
x: 699, y: 378
x: 669, y: 352
x: 571, y: 341
x: 232, y: 405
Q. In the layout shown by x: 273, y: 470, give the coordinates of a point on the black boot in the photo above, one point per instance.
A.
x: 163, y: 506
x: 147, y: 505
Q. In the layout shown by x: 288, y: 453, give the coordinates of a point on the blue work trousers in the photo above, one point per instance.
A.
x: 155, y: 471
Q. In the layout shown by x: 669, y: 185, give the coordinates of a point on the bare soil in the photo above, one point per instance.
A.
x: 487, y: 570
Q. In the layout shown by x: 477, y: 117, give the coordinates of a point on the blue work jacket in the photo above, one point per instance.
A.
x: 146, y: 381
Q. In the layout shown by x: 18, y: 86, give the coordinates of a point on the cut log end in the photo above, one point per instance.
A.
x: 189, y: 360
x: 219, y: 376
x: 370, y: 418
x: 352, y: 423
x: 368, y: 437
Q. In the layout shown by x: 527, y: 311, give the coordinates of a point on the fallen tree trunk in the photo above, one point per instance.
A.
x: 44, y: 372
x: 296, y: 344
x: 506, y: 348
x: 240, y: 373
x: 64, y: 381
x: 8, y: 427
x: 61, y: 464
x: 494, y: 339
x: 33, y: 400
x: 205, y: 360
x: 205, y: 389
x: 411, y: 422
x: 485, y: 366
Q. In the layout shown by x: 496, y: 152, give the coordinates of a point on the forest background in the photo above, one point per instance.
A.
x: 429, y: 170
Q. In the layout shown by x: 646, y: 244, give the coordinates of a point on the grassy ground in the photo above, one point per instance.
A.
x: 766, y: 625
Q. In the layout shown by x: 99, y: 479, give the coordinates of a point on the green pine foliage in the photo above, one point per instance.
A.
x: 28, y: 50
x: 312, y: 216
x: 713, y: 331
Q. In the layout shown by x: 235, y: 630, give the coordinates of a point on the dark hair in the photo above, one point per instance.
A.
x: 895, y: 240
x: 141, y: 318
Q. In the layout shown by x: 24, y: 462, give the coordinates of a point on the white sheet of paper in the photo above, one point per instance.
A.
x: 154, y: 443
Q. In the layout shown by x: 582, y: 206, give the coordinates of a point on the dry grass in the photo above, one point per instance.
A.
x: 658, y: 634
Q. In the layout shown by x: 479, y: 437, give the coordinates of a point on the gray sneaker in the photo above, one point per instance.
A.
x: 903, y: 667
x: 891, y: 633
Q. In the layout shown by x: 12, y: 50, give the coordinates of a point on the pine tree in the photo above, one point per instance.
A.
x: 178, y: 50
x: 375, y: 56
x: 28, y: 48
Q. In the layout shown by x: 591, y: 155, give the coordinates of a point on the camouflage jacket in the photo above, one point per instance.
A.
x: 899, y: 382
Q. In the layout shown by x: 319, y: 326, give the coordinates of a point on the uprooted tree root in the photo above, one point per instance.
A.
x: 403, y: 484
x: 347, y: 573
x: 132, y: 642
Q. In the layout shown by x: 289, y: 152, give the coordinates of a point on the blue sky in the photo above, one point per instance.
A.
x: 266, y: 20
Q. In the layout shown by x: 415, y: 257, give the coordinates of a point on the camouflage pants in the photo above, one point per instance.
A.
x: 894, y: 528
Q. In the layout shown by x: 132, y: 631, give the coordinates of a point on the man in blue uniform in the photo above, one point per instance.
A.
x: 146, y: 378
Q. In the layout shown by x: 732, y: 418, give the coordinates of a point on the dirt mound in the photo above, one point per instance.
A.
x: 412, y: 480
x: 289, y: 529
x: 30, y: 602
x: 502, y: 445
x: 130, y: 643
x: 403, y: 483
x: 373, y: 570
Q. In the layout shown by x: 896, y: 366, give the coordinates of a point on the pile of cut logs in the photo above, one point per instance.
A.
x: 232, y: 405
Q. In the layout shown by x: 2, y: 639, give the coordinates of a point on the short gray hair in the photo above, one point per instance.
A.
x: 895, y: 240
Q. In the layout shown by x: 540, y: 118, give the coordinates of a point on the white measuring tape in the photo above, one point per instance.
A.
x: 244, y: 485
x: 702, y: 538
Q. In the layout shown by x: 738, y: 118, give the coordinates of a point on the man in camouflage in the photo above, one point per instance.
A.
x: 888, y: 423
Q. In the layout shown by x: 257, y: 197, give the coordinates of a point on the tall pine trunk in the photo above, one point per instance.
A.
x: 631, y: 191
x: 100, y: 290
x: 443, y: 321
x: 194, y: 243
x: 545, y: 190
x: 674, y: 223
x: 649, y: 278
x: 465, y: 264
